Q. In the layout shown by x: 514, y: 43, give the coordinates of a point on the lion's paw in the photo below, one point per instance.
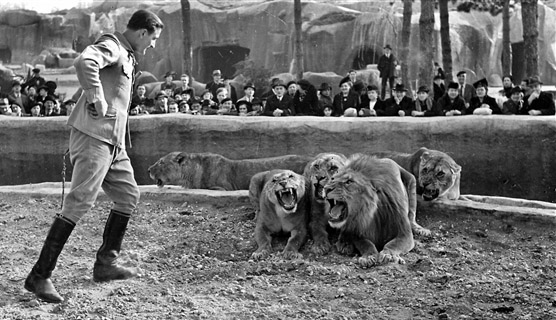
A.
x: 322, y: 247
x: 260, y: 254
x: 418, y: 230
x: 345, y: 248
x: 387, y: 257
x: 367, y: 261
x: 292, y: 255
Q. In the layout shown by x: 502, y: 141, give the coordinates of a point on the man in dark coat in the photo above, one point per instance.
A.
x: 538, y: 103
x: 466, y: 91
x: 305, y: 100
x: 439, y: 89
x: 280, y: 104
x: 387, y: 66
x: 451, y: 103
x: 217, y: 82
x: 397, y: 105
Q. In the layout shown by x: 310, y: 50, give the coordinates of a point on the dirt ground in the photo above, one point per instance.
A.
x: 195, y: 264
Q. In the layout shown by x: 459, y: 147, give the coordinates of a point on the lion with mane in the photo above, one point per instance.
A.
x: 283, y: 208
x: 368, y: 201
x: 318, y: 172
x: 437, y: 174
x: 213, y: 171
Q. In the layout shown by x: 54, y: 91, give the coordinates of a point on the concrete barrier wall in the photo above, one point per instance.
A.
x: 511, y: 156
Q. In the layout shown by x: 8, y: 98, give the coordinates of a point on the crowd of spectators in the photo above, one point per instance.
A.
x: 38, y: 98
x: 34, y: 97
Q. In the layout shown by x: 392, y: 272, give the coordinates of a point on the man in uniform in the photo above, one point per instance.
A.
x: 97, y: 152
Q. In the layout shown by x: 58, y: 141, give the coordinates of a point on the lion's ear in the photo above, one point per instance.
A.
x: 456, y: 168
x: 425, y: 156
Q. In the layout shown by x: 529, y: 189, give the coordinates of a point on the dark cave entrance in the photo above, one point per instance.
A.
x: 364, y: 56
x: 212, y: 57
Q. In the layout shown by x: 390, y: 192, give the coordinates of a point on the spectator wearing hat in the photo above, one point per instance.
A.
x: 305, y: 100
x: 387, y: 67
x: 67, y: 107
x: 15, y: 96
x: 514, y: 105
x: 160, y: 103
x: 451, y: 103
x: 507, y: 85
x: 280, y: 104
x: 538, y: 103
x: 36, y: 109
x: 256, y: 108
x: 425, y: 106
x: 31, y: 96
x: 227, y: 108
x: 466, y: 91
x: 35, y: 80
x: 482, y: 103
x: 48, y: 106
x: 207, y: 100
x: 249, y: 91
x: 324, y: 97
x: 185, y: 87
x: 168, y: 85
x: 397, y: 105
x: 5, y: 108
x: 346, y: 100
x: 438, y: 87
x: 438, y: 71
x: 17, y: 111
x: 525, y: 89
x: 195, y: 107
x: 42, y: 94
x: 140, y: 98
x: 291, y: 88
x: 370, y: 102
x: 217, y: 82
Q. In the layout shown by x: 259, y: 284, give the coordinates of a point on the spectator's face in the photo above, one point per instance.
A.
x: 32, y: 91
x: 36, y: 111
x: 161, y: 101
x: 461, y: 78
x: 242, y: 108
x: 134, y: 111
x: 141, y: 90
x: 5, y: 109
x: 16, y: 108
x: 422, y: 95
x: 48, y: 107
x: 16, y: 88
x: 345, y: 87
x: 353, y: 75
x: 169, y: 79
x: 481, y: 92
x: 536, y: 88
x: 279, y: 90
x: 183, y: 107
x: 178, y: 97
x: 387, y: 51
x: 292, y: 88
x: 173, y: 108
x: 327, y: 112
x: 185, y: 80
x: 452, y: 93
x: 186, y: 96
x: 168, y: 92
x: 69, y: 108
x: 524, y: 85
x: 195, y: 107
x: 516, y: 96
x: 216, y: 78
x: 325, y: 93
x: 42, y: 92
x: 399, y: 94
x: 507, y: 82
x: 257, y: 107
x: 207, y: 96
x: 372, y: 94
x: 221, y: 95
x: 226, y: 106
x: 249, y: 92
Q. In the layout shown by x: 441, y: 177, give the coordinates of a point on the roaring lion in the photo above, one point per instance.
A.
x: 438, y: 175
x: 318, y: 173
x: 369, y: 203
x: 213, y: 171
x: 283, y: 207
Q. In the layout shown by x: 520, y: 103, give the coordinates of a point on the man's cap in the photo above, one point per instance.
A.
x: 372, y: 87
x: 161, y: 94
x: 243, y: 102
x: 516, y: 89
x: 216, y: 72
x: 535, y: 80
x: 36, y: 70
x: 256, y: 101
x: 387, y: 47
x: 169, y: 73
x: 453, y: 85
x: 399, y: 87
x: 49, y: 98
x: 461, y: 72
x: 423, y: 89
x: 325, y: 86
x: 304, y: 84
x: 279, y: 84
x: 249, y: 85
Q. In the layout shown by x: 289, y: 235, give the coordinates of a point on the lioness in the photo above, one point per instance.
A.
x: 213, y: 171
x: 368, y: 202
x: 318, y: 173
x: 283, y: 208
x: 438, y: 175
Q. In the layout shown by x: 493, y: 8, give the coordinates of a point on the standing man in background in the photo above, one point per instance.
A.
x: 387, y: 66
x: 98, y: 123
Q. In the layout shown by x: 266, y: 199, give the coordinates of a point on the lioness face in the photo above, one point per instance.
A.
x: 285, y: 190
x: 347, y: 195
x: 166, y: 170
x: 320, y: 172
x: 436, y: 176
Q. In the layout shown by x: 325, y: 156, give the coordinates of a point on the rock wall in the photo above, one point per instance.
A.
x: 511, y: 156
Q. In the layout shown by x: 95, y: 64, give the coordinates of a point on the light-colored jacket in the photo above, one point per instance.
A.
x: 105, y: 71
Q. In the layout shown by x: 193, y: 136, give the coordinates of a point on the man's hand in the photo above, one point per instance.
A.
x: 277, y: 112
x: 534, y: 112
x: 401, y: 113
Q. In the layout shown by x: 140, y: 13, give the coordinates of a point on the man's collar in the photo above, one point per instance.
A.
x: 123, y: 41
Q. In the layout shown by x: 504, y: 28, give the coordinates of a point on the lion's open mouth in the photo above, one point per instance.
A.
x: 338, y: 211
x: 287, y: 198
x: 430, y: 194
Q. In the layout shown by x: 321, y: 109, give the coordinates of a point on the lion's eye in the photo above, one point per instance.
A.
x: 348, y: 182
x: 291, y: 176
x: 334, y: 168
x: 316, y: 166
x: 425, y: 169
x: 440, y: 174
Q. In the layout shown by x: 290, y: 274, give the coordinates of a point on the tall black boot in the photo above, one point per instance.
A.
x: 106, y: 267
x: 38, y: 280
